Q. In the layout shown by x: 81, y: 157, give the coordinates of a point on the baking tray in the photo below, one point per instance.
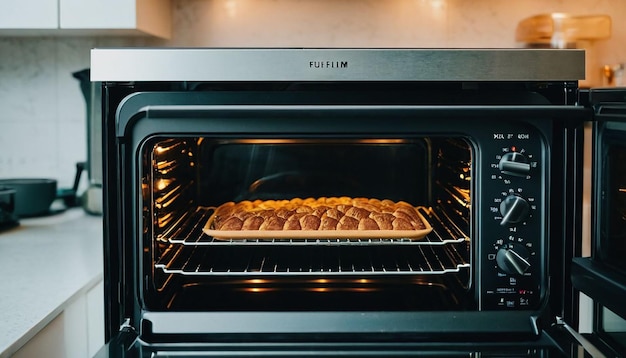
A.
x: 321, y: 234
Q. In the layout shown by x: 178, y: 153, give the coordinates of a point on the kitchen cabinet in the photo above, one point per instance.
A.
x: 20, y: 14
x: 86, y: 17
x: 77, y: 331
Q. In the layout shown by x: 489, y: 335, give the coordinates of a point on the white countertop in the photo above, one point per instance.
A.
x: 44, y: 263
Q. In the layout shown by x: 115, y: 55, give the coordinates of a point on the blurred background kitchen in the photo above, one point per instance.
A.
x: 43, y: 112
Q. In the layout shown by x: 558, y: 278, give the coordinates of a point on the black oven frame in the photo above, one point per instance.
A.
x: 563, y: 129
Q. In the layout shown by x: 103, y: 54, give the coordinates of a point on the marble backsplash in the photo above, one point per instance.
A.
x: 42, y: 111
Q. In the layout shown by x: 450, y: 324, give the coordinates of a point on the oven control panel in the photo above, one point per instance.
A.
x: 512, y: 228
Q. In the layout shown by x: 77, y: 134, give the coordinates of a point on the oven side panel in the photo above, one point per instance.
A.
x: 112, y: 217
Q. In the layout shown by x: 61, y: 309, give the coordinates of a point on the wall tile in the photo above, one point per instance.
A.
x: 28, y: 149
x: 27, y: 73
x: 309, y: 23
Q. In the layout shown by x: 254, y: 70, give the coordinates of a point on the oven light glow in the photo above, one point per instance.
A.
x: 363, y: 289
x: 162, y: 184
x: 257, y: 289
x: 382, y: 141
x: 316, y: 141
x: 267, y: 141
x: 320, y: 289
x: 257, y: 281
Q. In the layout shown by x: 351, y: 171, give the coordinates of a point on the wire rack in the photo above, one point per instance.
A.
x: 191, y: 252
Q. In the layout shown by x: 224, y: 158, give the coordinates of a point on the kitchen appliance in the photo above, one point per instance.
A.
x: 8, y: 219
x: 33, y: 196
x: 488, y: 144
x: 562, y: 30
x: 91, y: 198
x: 613, y: 75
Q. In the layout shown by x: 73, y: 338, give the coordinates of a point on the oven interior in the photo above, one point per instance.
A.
x: 184, y: 178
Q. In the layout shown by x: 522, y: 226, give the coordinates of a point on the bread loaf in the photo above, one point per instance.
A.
x: 333, y: 213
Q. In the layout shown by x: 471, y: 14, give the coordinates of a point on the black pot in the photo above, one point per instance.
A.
x: 33, y: 196
x: 7, y: 207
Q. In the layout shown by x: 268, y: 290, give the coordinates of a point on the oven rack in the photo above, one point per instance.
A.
x: 188, y: 231
x: 311, y: 261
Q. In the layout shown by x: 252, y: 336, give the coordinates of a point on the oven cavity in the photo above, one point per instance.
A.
x: 184, y: 179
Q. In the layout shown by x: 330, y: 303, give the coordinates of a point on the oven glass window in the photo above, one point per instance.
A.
x: 192, y: 265
x: 613, y: 238
x: 614, y: 327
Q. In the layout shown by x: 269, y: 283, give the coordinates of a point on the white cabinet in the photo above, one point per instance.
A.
x: 77, y: 331
x: 151, y: 17
x: 86, y: 17
x: 29, y: 14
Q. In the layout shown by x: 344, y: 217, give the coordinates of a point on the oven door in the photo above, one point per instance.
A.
x: 602, y: 275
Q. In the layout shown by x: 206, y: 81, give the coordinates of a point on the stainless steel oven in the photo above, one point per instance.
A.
x: 484, y: 147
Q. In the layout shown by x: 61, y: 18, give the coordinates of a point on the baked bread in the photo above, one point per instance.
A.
x: 315, y: 214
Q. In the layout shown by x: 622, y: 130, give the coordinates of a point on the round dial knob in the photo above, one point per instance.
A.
x: 514, y: 163
x: 513, y: 259
x: 514, y: 209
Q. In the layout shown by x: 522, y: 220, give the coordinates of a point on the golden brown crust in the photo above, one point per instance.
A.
x: 328, y: 223
x: 348, y: 223
x: 332, y: 213
x: 401, y: 224
x: 272, y: 223
x: 368, y: 224
x: 384, y: 220
x: 293, y: 223
x: 252, y: 223
x: 310, y: 222
x: 232, y: 223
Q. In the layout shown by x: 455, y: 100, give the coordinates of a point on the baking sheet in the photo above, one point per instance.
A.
x: 314, y: 234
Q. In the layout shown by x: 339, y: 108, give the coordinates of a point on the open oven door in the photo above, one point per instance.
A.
x: 602, y: 275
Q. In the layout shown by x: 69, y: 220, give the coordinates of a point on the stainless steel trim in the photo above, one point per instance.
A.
x: 204, y: 64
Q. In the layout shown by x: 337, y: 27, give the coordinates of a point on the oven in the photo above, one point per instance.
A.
x: 213, y: 155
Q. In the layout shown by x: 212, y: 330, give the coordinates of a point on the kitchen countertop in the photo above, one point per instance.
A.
x: 45, y: 263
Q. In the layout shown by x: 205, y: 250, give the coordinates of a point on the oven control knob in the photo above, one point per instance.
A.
x: 514, y: 209
x: 513, y: 259
x: 514, y: 163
